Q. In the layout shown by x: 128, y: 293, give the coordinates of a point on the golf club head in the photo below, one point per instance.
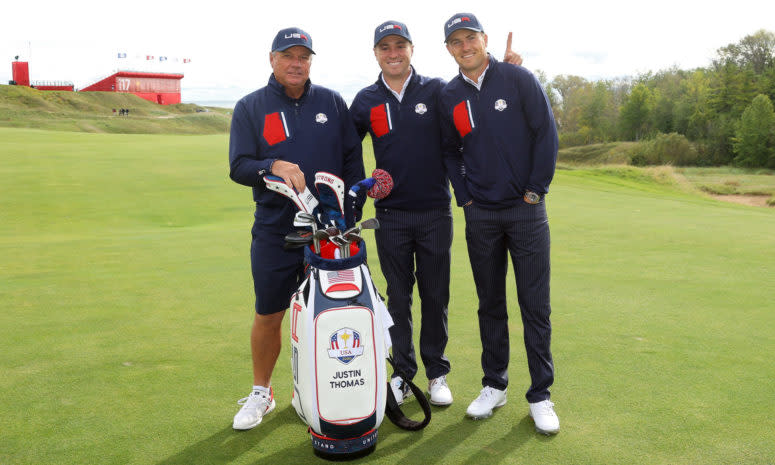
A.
x: 321, y: 234
x: 371, y: 223
x: 353, y: 237
x: 303, y: 219
x: 297, y: 239
x: 338, y: 240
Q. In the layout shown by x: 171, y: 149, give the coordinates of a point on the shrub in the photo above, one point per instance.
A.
x: 665, y: 149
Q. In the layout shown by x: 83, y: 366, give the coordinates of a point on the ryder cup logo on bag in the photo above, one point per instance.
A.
x: 420, y: 109
x: 345, y: 345
x: 500, y: 104
x: 321, y: 118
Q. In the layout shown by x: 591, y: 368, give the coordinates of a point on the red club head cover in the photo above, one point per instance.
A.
x: 382, y: 186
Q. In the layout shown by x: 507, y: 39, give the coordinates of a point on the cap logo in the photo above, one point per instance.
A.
x: 458, y: 20
x: 390, y: 26
x: 296, y: 35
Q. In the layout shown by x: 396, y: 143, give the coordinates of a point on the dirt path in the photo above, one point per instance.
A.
x: 751, y: 200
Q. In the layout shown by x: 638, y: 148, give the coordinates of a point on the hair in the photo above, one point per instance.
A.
x: 311, y: 54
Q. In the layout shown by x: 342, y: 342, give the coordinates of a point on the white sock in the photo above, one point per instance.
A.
x: 261, y: 390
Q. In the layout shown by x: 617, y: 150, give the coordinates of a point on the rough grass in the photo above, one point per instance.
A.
x: 604, y: 158
x: 616, y: 153
x: 127, y: 303
x: 23, y: 107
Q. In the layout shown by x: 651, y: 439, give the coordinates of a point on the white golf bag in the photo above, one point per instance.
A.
x: 339, y: 345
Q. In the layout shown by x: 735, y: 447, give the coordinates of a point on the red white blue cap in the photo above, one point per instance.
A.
x: 461, y: 21
x: 290, y: 37
x: 389, y: 28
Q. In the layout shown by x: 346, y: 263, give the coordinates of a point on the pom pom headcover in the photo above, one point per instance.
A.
x: 382, y: 186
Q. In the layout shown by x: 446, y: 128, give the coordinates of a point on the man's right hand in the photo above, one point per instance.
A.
x: 511, y: 56
x: 291, y: 174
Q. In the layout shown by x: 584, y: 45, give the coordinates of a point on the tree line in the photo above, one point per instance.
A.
x: 717, y: 115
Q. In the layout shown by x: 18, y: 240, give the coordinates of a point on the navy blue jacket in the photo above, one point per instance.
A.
x: 315, y: 131
x: 499, y: 141
x: 406, y: 138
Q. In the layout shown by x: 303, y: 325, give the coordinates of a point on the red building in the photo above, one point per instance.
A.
x: 161, y: 88
x: 21, y: 77
x: 21, y: 73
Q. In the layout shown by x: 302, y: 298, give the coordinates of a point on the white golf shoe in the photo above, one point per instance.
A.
x: 545, y: 419
x: 254, y: 407
x: 400, y: 389
x: 439, y: 391
x: 489, y: 398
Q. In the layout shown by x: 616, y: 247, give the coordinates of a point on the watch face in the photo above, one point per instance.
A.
x: 532, y: 197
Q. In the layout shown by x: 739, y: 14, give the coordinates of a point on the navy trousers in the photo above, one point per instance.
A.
x: 416, y: 244
x: 521, y: 231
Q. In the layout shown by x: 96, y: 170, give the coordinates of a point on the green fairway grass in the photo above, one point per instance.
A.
x: 127, y: 302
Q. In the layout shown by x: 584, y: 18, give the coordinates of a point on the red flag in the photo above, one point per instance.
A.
x: 149, y: 57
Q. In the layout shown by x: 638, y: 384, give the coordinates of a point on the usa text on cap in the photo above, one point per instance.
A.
x: 391, y: 28
x: 461, y: 21
x: 289, y: 37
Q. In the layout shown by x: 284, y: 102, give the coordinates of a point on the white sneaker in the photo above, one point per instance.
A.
x: 489, y: 398
x: 439, y: 391
x: 254, y: 407
x: 544, y: 417
x: 400, y: 389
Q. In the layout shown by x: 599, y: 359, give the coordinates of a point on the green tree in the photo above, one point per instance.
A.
x: 634, y: 115
x: 754, y: 141
x: 756, y: 51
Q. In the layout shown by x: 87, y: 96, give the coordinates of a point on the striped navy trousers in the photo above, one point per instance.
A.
x: 521, y: 231
x: 416, y: 245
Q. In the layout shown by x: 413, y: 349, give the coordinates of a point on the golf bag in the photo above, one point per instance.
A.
x: 339, y: 345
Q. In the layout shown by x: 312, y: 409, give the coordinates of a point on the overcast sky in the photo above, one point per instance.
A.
x: 228, y: 42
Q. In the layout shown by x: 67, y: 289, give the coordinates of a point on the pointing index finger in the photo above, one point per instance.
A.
x: 508, y: 42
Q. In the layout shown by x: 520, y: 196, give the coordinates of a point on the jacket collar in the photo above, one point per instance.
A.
x: 492, y: 62
x: 413, y: 79
x: 275, y: 85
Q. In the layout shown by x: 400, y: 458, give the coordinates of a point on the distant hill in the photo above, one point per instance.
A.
x: 24, y: 107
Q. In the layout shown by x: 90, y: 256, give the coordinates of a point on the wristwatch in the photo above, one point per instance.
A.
x: 531, y: 197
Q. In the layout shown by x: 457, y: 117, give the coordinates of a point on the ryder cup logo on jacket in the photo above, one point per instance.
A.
x: 500, y: 104
x: 345, y: 345
x: 420, y: 109
x: 321, y: 118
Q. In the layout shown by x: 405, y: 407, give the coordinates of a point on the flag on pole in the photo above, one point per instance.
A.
x: 122, y: 55
x: 186, y: 60
x: 162, y: 58
x: 149, y: 57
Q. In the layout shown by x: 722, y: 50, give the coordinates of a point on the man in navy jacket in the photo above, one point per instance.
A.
x: 292, y: 129
x: 400, y: 112
x: 500, y: 145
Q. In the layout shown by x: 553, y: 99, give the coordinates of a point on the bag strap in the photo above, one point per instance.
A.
x: 393, y: 410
